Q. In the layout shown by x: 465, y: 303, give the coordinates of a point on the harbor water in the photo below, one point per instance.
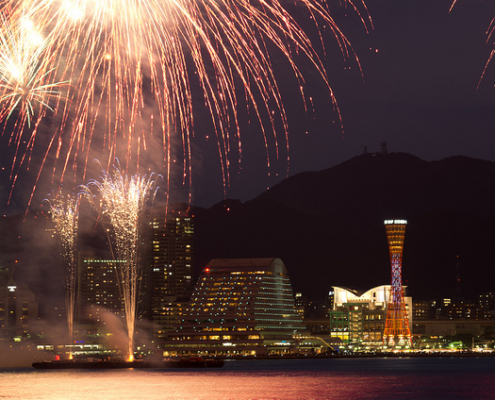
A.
x: 449, y: 378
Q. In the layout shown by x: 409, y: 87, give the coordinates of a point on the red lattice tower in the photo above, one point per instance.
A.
x: 397, y: 331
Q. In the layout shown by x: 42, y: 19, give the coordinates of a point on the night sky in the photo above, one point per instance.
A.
x: 421, y: 67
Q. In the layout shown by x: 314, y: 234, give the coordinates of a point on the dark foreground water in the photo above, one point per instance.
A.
x: 339, y: 379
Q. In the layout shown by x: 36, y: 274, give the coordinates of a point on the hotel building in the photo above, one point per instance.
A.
x: 239, y: 307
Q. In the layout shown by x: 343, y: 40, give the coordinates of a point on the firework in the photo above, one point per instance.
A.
x: 24, y: 79
x: 120, y: 55
x: 490, y: 35
x: 123, y: 200
x: 64, y: 211
x: 26, y: 84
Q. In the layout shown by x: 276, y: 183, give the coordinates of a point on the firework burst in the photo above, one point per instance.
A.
x: 24, y: 78
x: 122, y: 200
x: 26, y: 85
x: 135, y: 66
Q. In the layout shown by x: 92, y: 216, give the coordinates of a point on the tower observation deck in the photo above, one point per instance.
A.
x: 397, y: 331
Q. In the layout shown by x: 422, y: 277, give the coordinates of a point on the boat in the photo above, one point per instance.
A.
x: 192, y: 362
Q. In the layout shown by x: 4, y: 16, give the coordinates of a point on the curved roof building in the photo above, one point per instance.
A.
x: 379, y: 294
x: 358, y: 317
x: 243, y: 306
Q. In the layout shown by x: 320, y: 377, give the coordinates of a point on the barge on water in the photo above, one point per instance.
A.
x: 114, y: 364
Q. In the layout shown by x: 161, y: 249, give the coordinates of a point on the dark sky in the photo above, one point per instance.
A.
x: 421, y: 67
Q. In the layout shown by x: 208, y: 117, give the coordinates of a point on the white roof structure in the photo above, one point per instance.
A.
x: 379, y: 294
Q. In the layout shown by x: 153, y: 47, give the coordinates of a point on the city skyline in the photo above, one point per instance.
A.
x: 286, y: 143
x: 225, y: 287
x: 439, y: 204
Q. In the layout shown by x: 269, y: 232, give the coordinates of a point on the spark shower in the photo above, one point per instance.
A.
x: 85, y: 79
x: 65, y: 215
x: 123, y: 201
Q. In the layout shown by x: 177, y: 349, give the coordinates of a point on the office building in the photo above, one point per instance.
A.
x: 423, y: 309
x: 18, y: 309
x: 167, y: 269
x: 97, y: 290
x: 486, y: 305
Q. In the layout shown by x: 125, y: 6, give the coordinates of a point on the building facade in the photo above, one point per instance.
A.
x: 358, y: 318
x: 239, y: 307
x: 18, y: 309
x: 167, y: 269
x: 97, y: 290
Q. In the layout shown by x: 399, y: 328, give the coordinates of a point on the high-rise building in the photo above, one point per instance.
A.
x: 397, y: 330
x: 97, y: 289
x: 18, y: 309
x: 486, y: 305
x: 167, y: 269
x: 300, y: 304
x: 239, y: 306
x: 165, y: 264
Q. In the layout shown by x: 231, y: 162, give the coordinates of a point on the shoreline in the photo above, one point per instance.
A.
x: 457, y: 355
x: 365, y: 355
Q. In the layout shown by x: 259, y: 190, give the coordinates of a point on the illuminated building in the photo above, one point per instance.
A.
x: 379, y: 316
x: 97, y: 290
x: 423, y: 310
x: 460, y: 309
x: 300, y: 304
x: 168, y: 269
x: 316, y: 316
x: 397, y: 331
x: 358, y: 318
x: 447, y: 327
x: 486, y: 305
x: 18, y: 309
x: 239, y: 306
x: 165, y: 281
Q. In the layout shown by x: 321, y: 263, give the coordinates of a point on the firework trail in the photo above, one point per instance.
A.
x: 64, y: 210
x: 135, y: 67
x: 490, y: 35
x: 122, y: 200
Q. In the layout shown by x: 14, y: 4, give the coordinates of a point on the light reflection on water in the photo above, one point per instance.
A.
x: 339, y: 379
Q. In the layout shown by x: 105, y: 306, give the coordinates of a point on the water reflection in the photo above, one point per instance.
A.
x: 339, y: 379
